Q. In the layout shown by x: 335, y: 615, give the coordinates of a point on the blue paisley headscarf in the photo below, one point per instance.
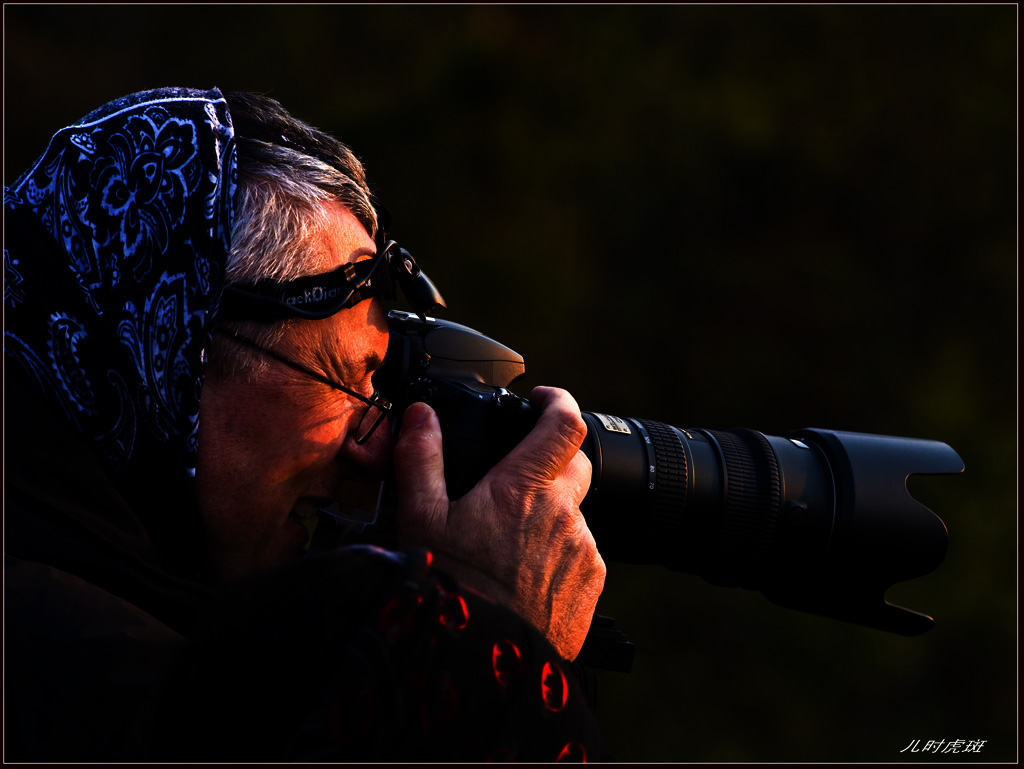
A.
x: 116, y: 241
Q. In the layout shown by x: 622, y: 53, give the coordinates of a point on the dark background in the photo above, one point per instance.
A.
x: 774, y: 217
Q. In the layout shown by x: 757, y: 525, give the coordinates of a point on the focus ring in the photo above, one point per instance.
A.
x: 668, y: 506
x: 750, y: 511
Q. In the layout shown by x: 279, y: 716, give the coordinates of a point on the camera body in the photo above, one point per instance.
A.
x: 464, y: 376
x: 818, y: 520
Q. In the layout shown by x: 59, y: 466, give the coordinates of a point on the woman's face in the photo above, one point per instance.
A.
x: 274, y: 449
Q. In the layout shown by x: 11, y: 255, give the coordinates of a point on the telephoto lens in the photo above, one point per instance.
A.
x: 819, y: 520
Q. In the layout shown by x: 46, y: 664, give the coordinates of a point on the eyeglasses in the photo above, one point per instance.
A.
x: 378, y: 406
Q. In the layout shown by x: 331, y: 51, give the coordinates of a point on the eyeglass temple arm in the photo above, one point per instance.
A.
x: 247, y: 342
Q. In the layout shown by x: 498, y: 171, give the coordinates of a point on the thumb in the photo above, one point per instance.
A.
x: 419, y: 471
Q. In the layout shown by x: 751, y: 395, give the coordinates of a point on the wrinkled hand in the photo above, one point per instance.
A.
x: 518, y: 536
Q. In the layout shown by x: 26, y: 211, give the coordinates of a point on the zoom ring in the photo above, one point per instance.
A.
x: 670, y: 484
x: 750, y: 512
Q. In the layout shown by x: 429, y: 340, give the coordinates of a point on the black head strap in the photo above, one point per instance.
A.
x: 313, y: 297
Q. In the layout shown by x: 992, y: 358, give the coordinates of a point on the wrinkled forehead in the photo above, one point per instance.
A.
x: 344, y: 240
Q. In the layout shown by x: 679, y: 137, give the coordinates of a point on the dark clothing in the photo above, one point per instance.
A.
x: 355, y: 655
x: 82, y: 668
x: 84, y: 653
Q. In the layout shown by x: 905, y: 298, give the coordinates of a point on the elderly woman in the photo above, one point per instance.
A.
x: 173, y: 433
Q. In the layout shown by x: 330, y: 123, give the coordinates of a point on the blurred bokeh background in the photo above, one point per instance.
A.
x: 712, y: 216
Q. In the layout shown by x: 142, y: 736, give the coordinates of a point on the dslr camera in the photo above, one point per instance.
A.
x: 817, y: 520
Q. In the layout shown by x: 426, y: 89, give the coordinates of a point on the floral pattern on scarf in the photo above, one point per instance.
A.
x: 117, y: 239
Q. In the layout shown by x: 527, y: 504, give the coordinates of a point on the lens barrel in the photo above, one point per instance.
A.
x: 651, y: 482
x: 820, y: 520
